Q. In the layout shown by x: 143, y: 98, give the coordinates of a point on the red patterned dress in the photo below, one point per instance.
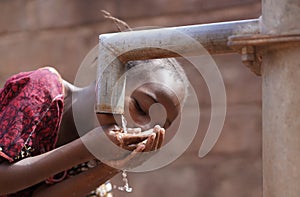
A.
x: 31, y: 106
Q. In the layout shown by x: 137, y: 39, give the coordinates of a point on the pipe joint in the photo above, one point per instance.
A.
x: 251, y: 47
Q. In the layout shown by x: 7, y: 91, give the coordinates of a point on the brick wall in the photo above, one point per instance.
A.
x: 61, y: 32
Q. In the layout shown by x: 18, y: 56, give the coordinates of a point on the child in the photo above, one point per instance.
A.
x: 41, y: 152
x: 38, y: 136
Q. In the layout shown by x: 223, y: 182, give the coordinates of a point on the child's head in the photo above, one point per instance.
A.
x: 155, y: 91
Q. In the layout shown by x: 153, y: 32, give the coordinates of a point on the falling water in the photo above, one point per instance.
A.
x: 124, y: 124
x: 126, y: 186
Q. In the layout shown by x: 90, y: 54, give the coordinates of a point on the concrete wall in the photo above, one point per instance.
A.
x: 60, y: 33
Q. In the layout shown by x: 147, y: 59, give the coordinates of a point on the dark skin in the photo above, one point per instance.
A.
x: 71, y: 150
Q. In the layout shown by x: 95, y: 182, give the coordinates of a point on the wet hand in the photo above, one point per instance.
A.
x: 137, y: 141
x: 152, y: 138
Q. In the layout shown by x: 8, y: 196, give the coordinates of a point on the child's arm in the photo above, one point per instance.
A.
x: 83, y: 183
x: 79, y: 185
x: 33, y: 170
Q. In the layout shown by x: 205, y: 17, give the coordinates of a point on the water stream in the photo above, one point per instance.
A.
x: 126, y: 186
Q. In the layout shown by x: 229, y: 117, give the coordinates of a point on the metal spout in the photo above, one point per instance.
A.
x: 110, y: 90
x: 118, y: 48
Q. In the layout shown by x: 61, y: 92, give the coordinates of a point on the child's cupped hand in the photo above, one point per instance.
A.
x: 141, y: 144
x: 119, y: 149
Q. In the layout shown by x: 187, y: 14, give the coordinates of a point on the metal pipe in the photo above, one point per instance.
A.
x: 281, y: 99
x: 139, y: 45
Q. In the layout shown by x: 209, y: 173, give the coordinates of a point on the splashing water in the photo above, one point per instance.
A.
x: 126, y: 186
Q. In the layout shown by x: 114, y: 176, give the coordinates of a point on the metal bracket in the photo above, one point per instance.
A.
x: 248, y: 46
x: 251, y: 59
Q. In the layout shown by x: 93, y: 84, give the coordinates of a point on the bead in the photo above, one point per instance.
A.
x: 108, y: 186
x: 92, y: 164
x: 101, y: 191
x: 84, y: 169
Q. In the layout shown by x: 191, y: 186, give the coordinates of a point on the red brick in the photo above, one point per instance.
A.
x: 13, y: 15
x: 61, y: 13
x: 241, y: 85
x: 241, y: 132
x: 63, y: 49
x: 145, y: 8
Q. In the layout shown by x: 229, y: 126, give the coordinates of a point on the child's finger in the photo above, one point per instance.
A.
x: 133, y: 154
x: 161, y: 138
x: 150, y: 142
x: 139, y: 159
x: 156, y: 140
x: 131, y: 147
x: 157, y: 129
x: 136, y: 138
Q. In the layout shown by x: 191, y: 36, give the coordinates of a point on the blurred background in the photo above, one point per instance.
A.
x: 35, y: 33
